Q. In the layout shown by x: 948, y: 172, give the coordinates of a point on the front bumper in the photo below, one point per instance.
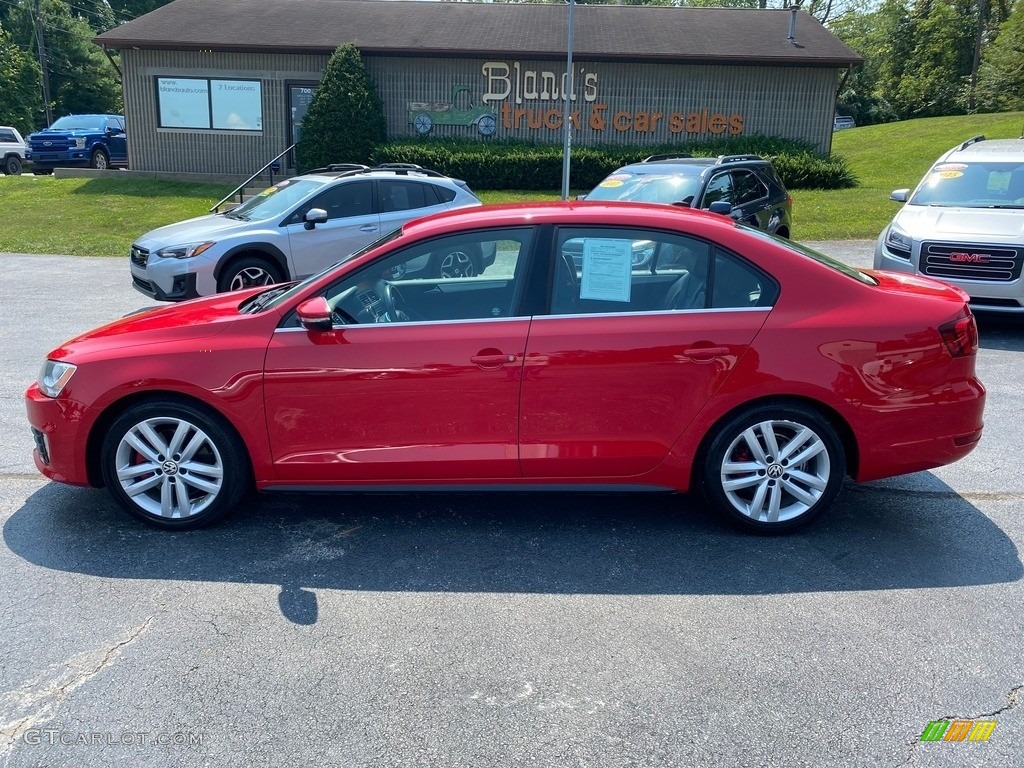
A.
x: 986, y: 297
x: 182, y: 287
x: 173, y: 279
x: 59, y: 428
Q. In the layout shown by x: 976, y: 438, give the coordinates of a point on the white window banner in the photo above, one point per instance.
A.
x: 184, y: 102
x: 607, y: 269
x: 237, y: 105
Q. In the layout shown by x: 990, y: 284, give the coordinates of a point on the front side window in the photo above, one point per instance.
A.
x: 342, y: 201
x: 470, y: 276
x: 719, y: 188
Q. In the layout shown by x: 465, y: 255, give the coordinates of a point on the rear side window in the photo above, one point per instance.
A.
x: 444, y: 194
x: 748, y: 188
x: 401, y: 195
x: 735, y: 284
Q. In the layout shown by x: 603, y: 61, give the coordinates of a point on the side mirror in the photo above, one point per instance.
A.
x: 315, y: 314
x: 900, y: 195
x: 721, y: 206
x: 581, y: 197
x: 313, y: 217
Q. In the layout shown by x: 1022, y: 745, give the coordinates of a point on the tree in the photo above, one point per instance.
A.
x: 345, y: 121
x: 19, y: 83
x: 1001, y: 76
x: 81, y: 77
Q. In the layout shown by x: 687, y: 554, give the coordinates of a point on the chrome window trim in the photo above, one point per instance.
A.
x: 698, y: 310
x: 461, y: 321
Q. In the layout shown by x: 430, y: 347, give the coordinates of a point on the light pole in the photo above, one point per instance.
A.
x: 568, y: 90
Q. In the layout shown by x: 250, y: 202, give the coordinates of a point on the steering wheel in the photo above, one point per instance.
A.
x: 395, y: 309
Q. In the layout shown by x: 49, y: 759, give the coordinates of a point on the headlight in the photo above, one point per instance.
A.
x: 54, y: 377
x: 186, y: 251
x: 898, y: 241
x: 79, y: 143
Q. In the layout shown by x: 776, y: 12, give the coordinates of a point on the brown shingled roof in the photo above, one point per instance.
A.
x: 399, y: 27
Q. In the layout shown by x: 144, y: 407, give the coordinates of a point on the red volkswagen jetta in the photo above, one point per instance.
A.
x: 605, y: 347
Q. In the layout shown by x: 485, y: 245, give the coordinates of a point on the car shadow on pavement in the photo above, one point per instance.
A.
x: 876, y: 537
x: 1001, y: 332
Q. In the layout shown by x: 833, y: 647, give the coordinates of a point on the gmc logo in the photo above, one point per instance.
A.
x: 970, y: 258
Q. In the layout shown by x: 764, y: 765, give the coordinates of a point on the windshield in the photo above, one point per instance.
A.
x: 647, y: 188
x: 78, y: 123
x: 257, y: 306
x: 973, y: 185
x: 276, y: 200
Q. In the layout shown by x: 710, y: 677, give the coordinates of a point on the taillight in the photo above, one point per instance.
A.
x: 960, y: 336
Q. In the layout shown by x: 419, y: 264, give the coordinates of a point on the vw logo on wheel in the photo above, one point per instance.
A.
x: 775, y: 471
x: 169, y: 467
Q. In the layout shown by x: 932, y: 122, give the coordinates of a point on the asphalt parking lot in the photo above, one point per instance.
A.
x: 470, y: 630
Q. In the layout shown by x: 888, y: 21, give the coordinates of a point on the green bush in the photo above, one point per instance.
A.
x: 346, y: 117
x: 517, y: 164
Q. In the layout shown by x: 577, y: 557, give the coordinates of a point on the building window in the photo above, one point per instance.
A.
x: 210, y: 103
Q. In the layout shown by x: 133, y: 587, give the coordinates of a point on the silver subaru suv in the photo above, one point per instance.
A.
x: 964, y: 224
x: 294, y: 229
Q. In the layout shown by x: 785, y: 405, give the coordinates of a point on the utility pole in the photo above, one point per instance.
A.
x: 568, y: 90
x: 37, y: 18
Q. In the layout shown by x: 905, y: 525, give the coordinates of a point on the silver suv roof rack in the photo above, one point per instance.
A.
x: 735, y: 158
x: 669, y: 156
x: 972, y: 140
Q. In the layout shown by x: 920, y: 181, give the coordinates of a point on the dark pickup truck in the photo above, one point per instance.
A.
x: 93, y: 141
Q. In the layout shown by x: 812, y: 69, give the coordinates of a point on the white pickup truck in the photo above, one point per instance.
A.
x: 12, y: 151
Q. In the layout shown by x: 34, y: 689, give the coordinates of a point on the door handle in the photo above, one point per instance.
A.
x: 492, y: 362
x: 368, y: 228
x: 705, y: 353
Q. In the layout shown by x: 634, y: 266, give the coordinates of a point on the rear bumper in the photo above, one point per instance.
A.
x: 943, y: 432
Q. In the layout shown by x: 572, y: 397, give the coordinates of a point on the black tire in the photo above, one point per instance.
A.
x: 13, y: 166
x: 206, y: 447
x: 99, y: 160
x: 248, y: 272
x: 743, y: 480
x: 457, y: 262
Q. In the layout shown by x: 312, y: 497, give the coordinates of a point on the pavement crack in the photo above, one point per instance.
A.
x: 37, y: 700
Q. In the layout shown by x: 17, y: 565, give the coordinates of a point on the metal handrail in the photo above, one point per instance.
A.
x: 240, y: 187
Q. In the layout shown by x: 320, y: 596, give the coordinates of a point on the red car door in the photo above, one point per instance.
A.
x: 396, y: 402
x: 421, y: 380
x: 609, y: 385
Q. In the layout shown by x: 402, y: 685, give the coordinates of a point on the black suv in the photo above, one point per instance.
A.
x: 745, y: 187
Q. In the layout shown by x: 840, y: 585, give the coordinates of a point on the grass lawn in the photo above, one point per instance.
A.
x: 101, y: 217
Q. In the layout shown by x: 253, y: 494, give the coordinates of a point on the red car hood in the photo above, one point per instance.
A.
x: 197, y: 319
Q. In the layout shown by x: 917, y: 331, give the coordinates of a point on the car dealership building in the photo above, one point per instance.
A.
x: 222, y: 87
